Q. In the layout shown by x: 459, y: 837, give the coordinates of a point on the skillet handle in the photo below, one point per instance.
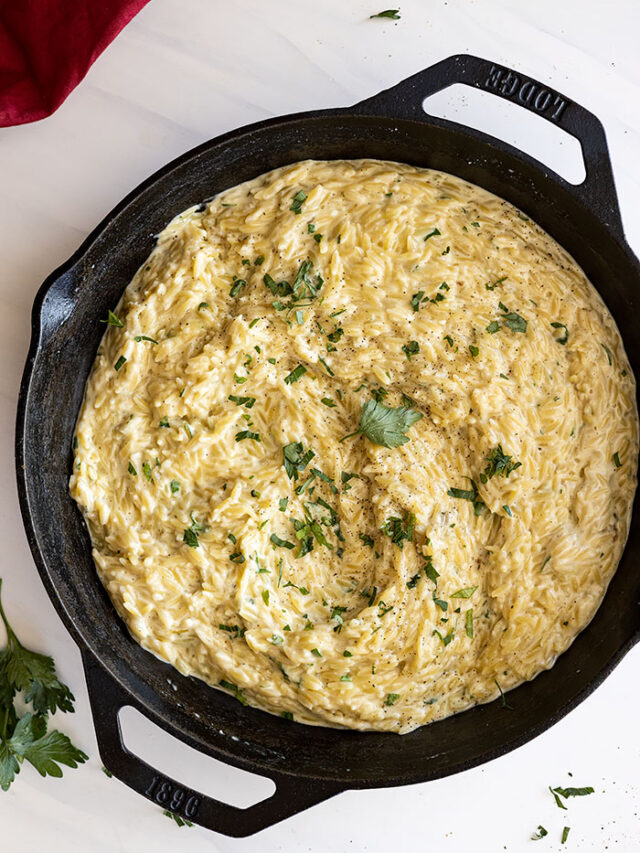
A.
x: 292, y: 795
x: 405, y: 100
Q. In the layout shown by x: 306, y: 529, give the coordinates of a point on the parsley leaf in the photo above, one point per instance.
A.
x: 512, y: 320
x: 539, y: 834
x: 392, y: 698
x: 434, y: 233
x: 295, y: 458
x: 564, y: 337
x: 384, y: 426
x: 281, y: 543
x: 112, y: 320
x: 574, y: 792
x: 245, y: 433
x: 298, y: 200
x: 399, y: 529
x: 416, y: 299
x: 237, y: 286
x: 297, y: 373
x: 26, y: 737
x: 469, y: 495
x: 498, y: 464
x: 412, y: 348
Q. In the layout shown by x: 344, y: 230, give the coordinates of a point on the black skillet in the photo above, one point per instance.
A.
x: 307, y: 764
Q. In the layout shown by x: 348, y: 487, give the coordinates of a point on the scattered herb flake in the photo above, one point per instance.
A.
x: 562, y: 340
x: 112, y: 320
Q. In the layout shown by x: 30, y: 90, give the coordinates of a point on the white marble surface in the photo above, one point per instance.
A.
x: 182, y: 72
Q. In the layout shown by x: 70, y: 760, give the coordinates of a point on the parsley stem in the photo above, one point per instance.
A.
x: 351, y: 434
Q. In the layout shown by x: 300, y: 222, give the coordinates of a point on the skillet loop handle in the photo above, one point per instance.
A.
x: 405, y: 100
x: 291, y: 796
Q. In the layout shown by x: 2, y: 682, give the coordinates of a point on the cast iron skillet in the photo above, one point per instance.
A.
x: 307, y: 764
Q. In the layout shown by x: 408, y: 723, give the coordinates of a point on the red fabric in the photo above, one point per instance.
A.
x: 46, y: 48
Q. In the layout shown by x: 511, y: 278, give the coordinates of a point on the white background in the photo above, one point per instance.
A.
x: 182, y: 72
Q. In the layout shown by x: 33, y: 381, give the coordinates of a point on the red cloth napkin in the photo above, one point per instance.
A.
x: 46, y: 48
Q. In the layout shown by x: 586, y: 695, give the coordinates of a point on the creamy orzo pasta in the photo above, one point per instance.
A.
x: 359, y: 446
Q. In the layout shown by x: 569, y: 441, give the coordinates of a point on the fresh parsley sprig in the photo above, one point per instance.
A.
x: 26, y: 737
x: 385, y: 426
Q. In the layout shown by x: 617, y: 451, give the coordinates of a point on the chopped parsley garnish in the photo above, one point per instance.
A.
x: 277, y: 640
x: 237, y: 286
x: 493, y: 286
x: 298, y: 200
x: 565, y: 834
x: 562, y: 340
x: 131, y: 469
x: 366, y: 539
x: 191, y: 533
x: 434, y: 233
x: 412, y: 348
x: 139, y: 338
x: 335, y: 336
x: 507, y: 509
x: 228, y: 685
x: 417, y: 299
x: 202, y: 306
x: 400, y: 529
x: 282, y: 504
x: 240, y: 380
x: 345, y: 477
x: 296, y: 458
x: 555, y: 796
x: 512, y: 320
x: 328, y: 402
x: 119, y: 363
x: 608, y: 352
x: 235, y: 630
x: 467, y: 592
x: 616, y: 461
x: 297, y: 373
x: 541, y: 832
x: 242, y: 401
x: 265, y: 596
x: 174, y: 486
x: 493, y: 327
x: 236, y: 557
x: 378, y: 393
x: 475, y: 351
x: 392, y: 698
x: 347, y: 654
x: 446, y: 639
x: 413, y: 583
x: 449, y: 340
x: 146, y: 470
x: 259, y: 261
x: 468, y: 623
x: 430, y: 571
x: 498, y: 464
x: 446, y: 251
x: 281, y: 543
x: 164, y: 422
x: 112, y: 320
x: 504, y: 704
x: 316, y: 652
x: 245, y: 433
x: 574, y: 792
x: 469, y: 495
x: 385, y: 426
